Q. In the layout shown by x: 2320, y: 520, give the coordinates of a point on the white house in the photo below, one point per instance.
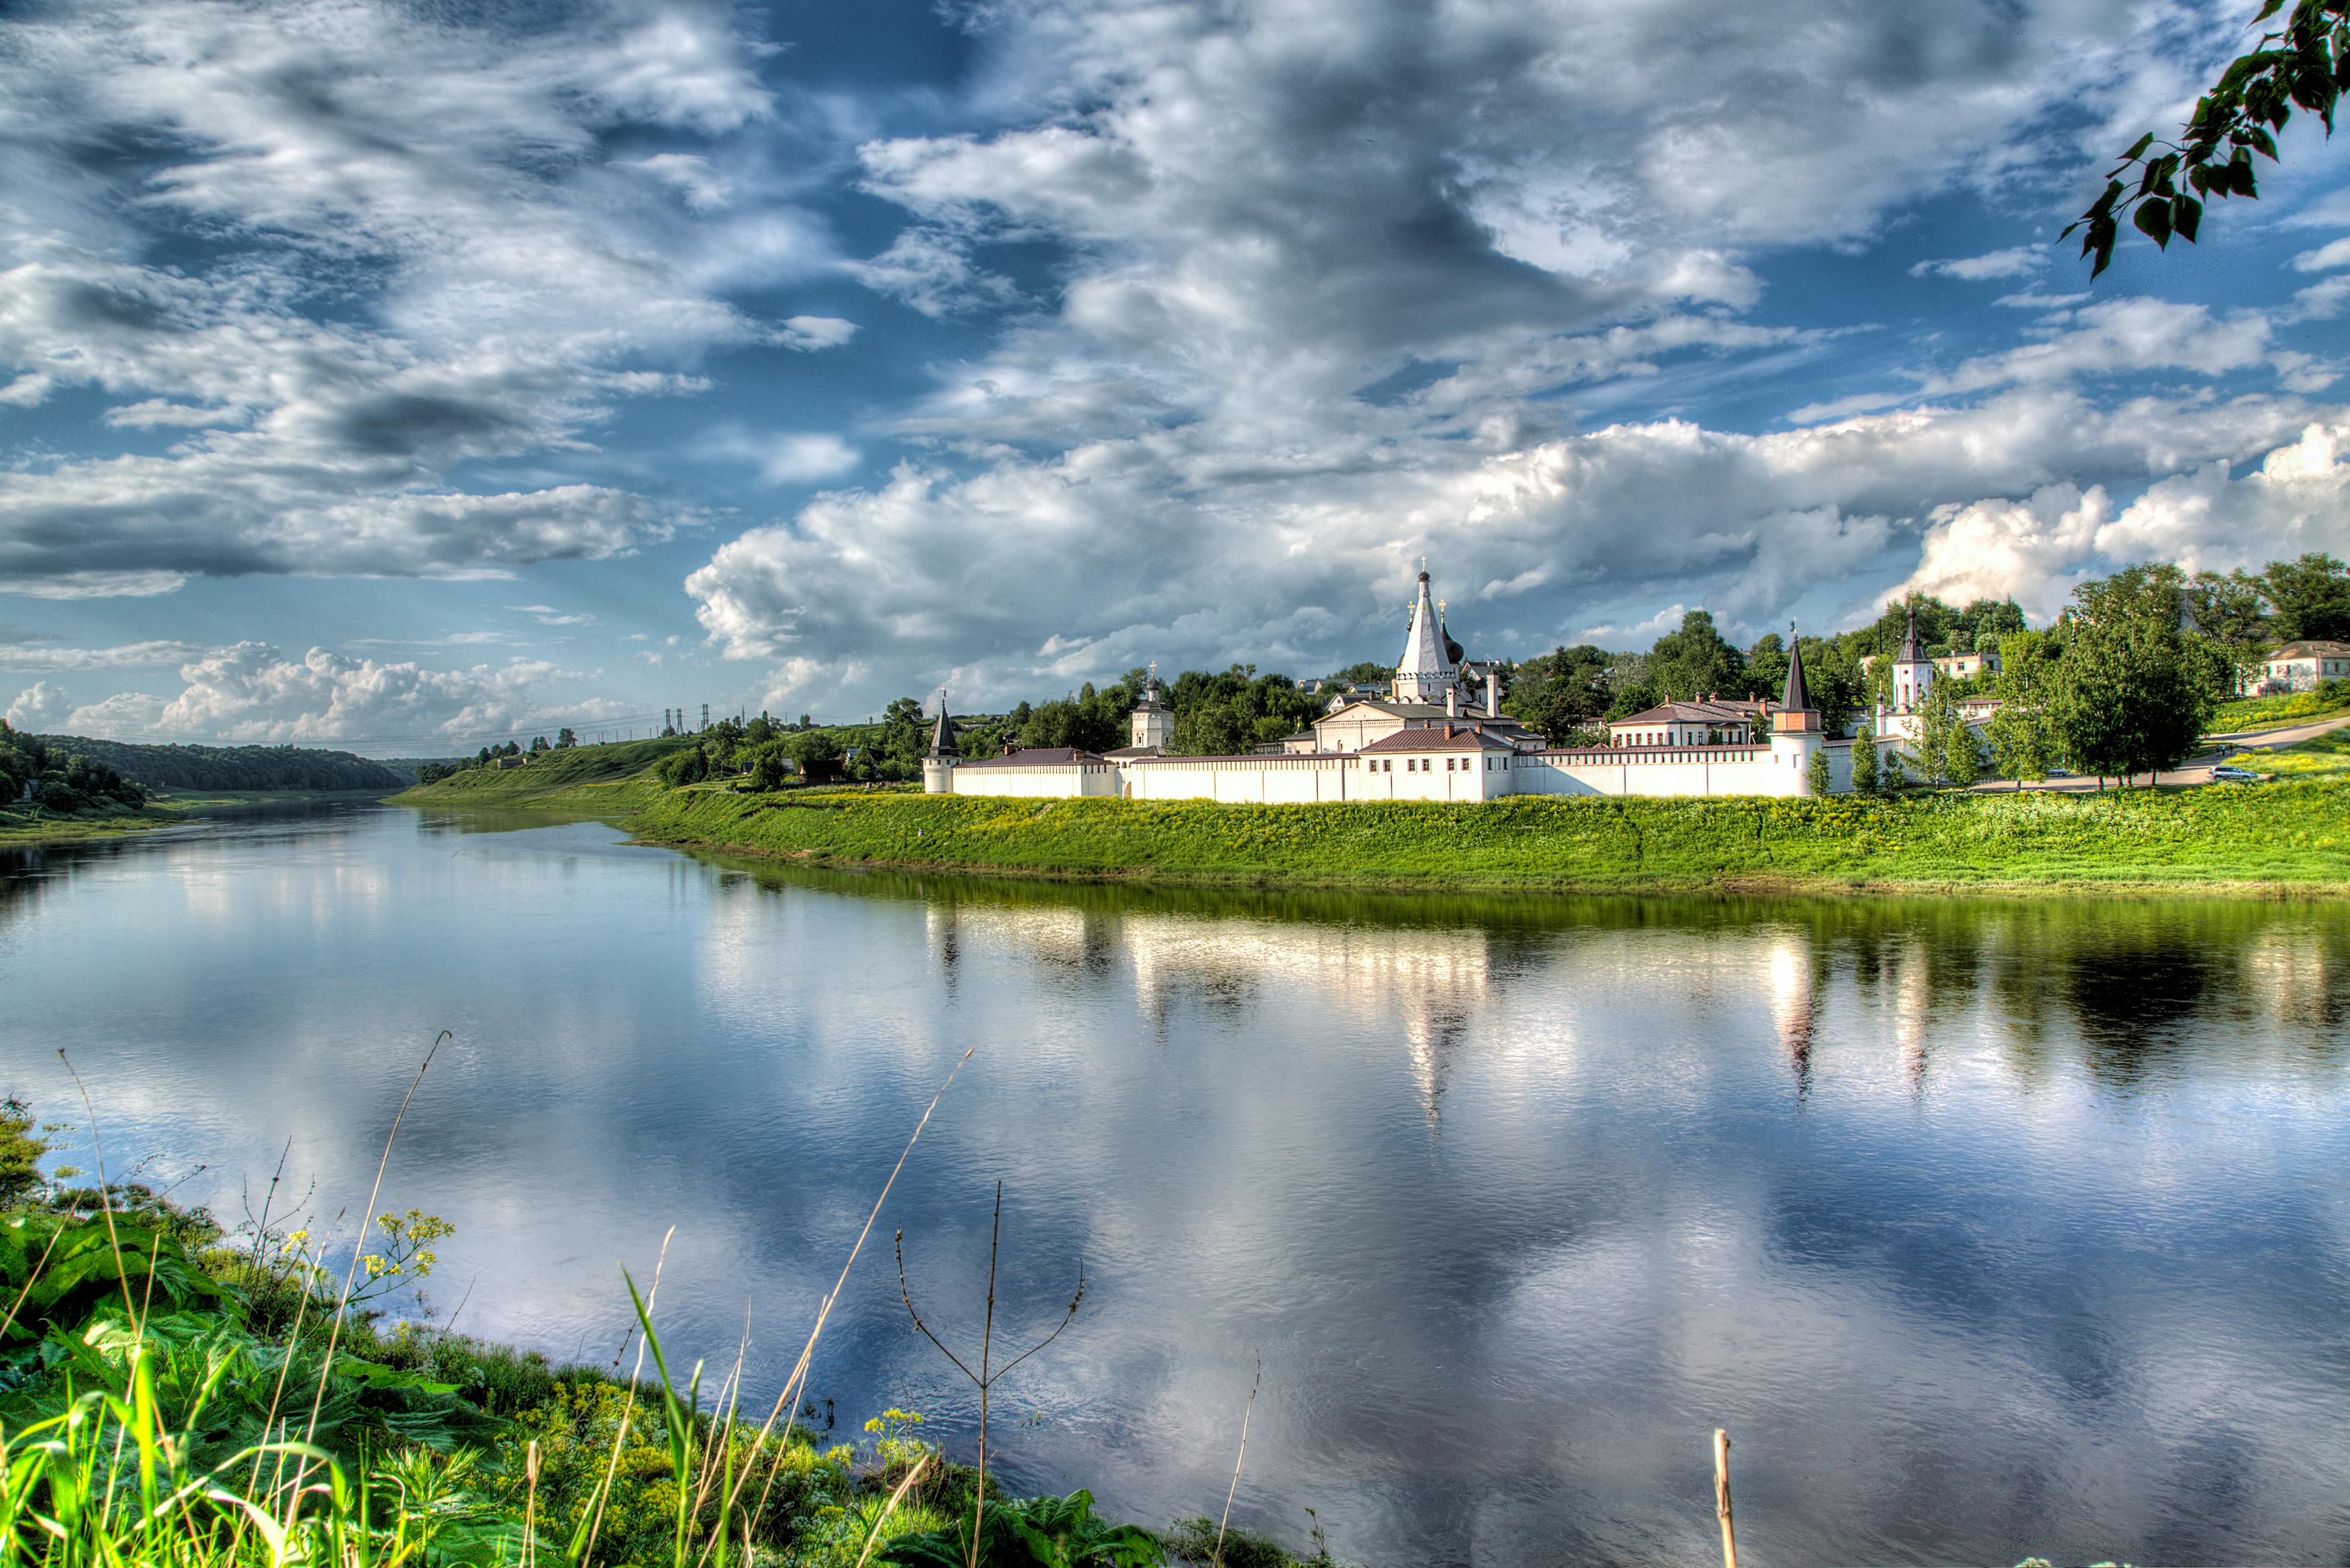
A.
x: 2300, y: 666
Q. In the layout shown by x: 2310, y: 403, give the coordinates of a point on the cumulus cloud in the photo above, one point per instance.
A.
x: 2015, y: 262
x: 251, y: 693
x: 41, y: 708
x: 2297, y: 500
x: 816, y: 332
x: 427, y: 267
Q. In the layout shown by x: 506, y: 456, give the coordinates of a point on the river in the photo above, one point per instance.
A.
x: 1987, y: 1229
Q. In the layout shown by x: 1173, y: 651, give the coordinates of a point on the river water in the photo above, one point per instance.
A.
x: 1986, y: 1229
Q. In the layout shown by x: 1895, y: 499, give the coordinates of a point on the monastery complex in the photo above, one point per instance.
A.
x: 1440, y: 734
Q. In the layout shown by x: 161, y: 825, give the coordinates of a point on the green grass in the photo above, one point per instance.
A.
x: 2321, y: 757
x: 595, y: 781
x: 2263, y: 713
x: 174, y: 1397
x: 2291, y: 835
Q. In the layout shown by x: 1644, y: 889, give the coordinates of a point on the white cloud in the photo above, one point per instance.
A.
x: 252, y: 694
x: 2015, y: 262
x: 40, y: 708
x: 928, y: 269
x: 702, y: 187
x: 797, y: 459
x: 2116, y: 337
x: 816, y: 332
x: 126, y: 655
x: 428, y: 265
x: 2334, y: 254
x: 2296, y: 501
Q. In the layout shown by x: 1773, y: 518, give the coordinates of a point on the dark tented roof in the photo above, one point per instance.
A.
x: 1797, y: 697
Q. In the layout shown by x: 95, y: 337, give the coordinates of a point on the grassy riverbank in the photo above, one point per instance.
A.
x: 2288, y: 836
x: 592, y: 781
x: 179, y: 1398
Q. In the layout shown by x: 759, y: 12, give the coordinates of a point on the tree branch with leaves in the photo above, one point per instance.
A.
x: 2303, y: 64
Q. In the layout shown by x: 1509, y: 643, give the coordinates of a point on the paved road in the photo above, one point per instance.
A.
x: 2197, y: 770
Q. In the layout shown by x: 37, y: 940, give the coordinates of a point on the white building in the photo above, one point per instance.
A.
x: 1433, y: 739
x: 2300, y: 666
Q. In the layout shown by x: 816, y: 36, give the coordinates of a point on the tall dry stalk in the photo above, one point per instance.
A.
x: 1722, y: 1497
x: 351, y: 1276
x: 1216, y: 1559
x: 986, y: 1378
x: 797, y: 1381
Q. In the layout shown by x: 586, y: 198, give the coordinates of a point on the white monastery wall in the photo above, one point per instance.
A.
x: 1240, y: 781
x: 1039, y: 783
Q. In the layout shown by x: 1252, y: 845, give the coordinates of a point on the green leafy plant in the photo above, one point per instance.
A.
x: 1031, y: 1533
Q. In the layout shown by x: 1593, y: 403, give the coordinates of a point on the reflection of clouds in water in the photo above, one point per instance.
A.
x: 2035, y: 1308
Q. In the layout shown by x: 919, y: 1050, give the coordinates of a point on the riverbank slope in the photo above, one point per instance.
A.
x: 2290, y: 836
x: 591, y: 781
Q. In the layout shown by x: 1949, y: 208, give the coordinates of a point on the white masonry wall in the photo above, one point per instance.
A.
x: 1040, y: 783
x: 1250, y: 781
x: 1430, y: 776
x: 1678, y: 771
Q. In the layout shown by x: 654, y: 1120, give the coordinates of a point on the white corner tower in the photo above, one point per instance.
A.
x: 939, y: 761
x: 1426, y: 672
x: 1913, y: 672
x: 1153, y: 721
x: 1796, y: 736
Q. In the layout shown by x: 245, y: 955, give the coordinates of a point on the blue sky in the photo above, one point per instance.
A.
x: 404, y: 377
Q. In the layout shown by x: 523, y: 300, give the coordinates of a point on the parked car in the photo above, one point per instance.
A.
x: 2226, y: 775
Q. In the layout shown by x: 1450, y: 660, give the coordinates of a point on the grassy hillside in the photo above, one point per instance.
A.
x: 597, y: 780
x: 2268, y: 712
x: 222, y: 768
x: 2288, y: 835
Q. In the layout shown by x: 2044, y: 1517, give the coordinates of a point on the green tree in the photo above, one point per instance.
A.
x: 770, y: 768
x: 565, y: 739
x: 690, y: 765
x: 2305, y: 63
x: 2131, y: 694
x: 1946, y: 753
x: 1696, y: 660
x: 1866, y: 777
x: 1816, y: 774
x: 2022, y: 740
x: 2311, y: 597
x: 1767, y: 667
x: 1560, y: 693
x: 807, y: 746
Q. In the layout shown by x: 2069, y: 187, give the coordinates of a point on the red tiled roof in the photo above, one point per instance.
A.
x: 1743, y: 710
x: 1037, y: 757
x: 1441, y: 738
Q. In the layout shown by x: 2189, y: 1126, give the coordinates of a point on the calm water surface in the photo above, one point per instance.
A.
x: 1986, y: 1229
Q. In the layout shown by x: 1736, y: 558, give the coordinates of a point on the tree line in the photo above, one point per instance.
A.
x: 59, y: 780
x: 229, y: 767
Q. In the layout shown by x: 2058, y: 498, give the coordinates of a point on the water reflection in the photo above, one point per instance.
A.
x: 1990, y: 1228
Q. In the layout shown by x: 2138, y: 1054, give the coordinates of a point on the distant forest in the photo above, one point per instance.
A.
x: 233, y: 767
